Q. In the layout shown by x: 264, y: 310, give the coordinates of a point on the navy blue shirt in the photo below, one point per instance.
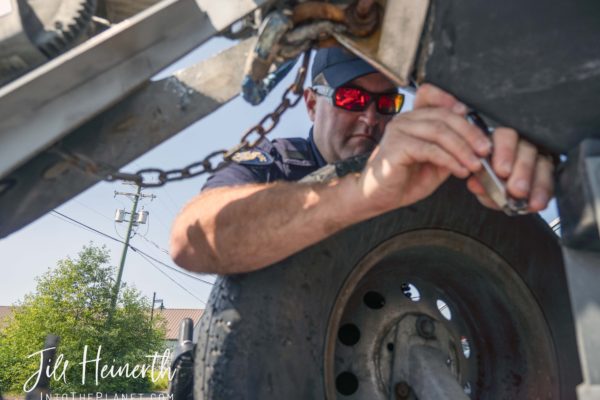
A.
x: 289, y: 159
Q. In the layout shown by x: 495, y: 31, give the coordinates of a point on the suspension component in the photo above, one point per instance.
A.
x: 285, y: 34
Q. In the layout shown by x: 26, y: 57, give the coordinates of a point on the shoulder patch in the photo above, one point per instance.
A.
x: 252, y: 157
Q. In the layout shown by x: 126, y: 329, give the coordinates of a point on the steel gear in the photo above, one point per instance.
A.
x: 54, y: 26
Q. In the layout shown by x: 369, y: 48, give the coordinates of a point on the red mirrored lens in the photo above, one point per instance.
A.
x: 352, y: 99
x: 390, y: 103
x: 355, y: 99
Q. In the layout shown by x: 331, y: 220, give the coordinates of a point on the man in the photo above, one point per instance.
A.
x: 248, y: 216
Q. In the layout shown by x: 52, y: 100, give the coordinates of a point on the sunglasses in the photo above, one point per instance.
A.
x: 357, y: 99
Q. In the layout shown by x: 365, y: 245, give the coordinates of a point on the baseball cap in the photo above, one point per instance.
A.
x: 339, y: 66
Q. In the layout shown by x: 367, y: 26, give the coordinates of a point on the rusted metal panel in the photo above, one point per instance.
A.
x: 533, y: 65
x: 393, y: 48
x: 122, y: 133
x: 48, y: 103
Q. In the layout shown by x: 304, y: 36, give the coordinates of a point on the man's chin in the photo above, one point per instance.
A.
x: 365, y: 146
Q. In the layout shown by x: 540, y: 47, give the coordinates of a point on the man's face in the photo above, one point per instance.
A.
x: 340, y: 134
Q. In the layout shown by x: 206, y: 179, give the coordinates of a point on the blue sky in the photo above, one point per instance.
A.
x: 36, y: 248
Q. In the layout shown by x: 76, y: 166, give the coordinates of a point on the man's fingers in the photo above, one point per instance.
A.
x: 505, y: 149
x: 543, y: 184
x: 476, y: 187
x: 478, y: 190
x: 444, y: 136
x: 431, y: 96
x: 420, y: 151
x: 441, y: 120
x: 520, y: 181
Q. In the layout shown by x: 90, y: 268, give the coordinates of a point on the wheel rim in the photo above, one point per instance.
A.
x: 496, y: 339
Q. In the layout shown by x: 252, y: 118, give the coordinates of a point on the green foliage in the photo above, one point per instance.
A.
x: 73, y: 302
x: 160, y: 382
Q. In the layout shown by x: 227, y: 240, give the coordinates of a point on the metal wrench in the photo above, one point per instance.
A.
x: 494, y: 186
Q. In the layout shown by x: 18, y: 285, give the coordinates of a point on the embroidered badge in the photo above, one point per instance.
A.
x: 252, y: 157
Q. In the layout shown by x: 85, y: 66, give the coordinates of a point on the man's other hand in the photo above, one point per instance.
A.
x: 420, y: 149
x: 527, y: 173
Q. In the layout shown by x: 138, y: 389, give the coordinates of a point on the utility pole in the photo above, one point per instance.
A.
x: 154, y: 301
x: 134, y: 219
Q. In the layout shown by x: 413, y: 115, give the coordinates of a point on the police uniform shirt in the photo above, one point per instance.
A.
x: 289, y: 159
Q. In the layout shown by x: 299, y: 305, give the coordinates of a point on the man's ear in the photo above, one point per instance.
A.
x: 310, y: 101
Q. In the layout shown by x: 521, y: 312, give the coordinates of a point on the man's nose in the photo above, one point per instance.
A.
x: 370, y: 116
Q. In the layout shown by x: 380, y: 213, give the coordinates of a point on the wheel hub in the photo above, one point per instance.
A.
x: 442, y: 315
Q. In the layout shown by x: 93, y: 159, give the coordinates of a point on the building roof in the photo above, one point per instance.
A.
x: 5, y: 312
x: 173, y: 316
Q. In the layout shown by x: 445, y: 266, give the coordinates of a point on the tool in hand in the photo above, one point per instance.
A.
x: 494, y: 186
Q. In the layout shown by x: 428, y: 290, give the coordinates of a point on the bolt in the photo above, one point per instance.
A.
x: 363, y: 7
x: 425, y: 327
x: 402, y: 390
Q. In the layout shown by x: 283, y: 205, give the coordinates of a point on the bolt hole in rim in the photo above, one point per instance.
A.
x: 374, y: 300
x: 467, y: 388
x: 346, y: 383
x: 371, y: 303
x: 411, y: 291
x: 466, y: 348
x: 349, y: 334
x: 444, y: 309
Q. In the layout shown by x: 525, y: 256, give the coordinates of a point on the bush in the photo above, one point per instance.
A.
x: 73, y: 301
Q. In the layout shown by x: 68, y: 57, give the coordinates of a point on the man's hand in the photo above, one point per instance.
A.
x: 528, y: 174
x: 422, y: 148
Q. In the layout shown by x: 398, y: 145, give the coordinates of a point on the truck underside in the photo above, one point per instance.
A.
x: 77, y: 104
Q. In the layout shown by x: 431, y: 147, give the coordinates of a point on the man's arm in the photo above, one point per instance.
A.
x: 243, y: 228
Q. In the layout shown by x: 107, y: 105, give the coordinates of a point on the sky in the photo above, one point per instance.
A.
x: 31, y: 251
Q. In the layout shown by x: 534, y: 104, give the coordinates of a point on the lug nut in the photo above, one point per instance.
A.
x: 425, y: 327
x: 402, y: 390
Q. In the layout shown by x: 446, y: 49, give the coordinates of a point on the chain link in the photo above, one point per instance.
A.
x: 155, y: 177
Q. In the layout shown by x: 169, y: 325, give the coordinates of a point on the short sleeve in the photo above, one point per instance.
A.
x: 236, y: 174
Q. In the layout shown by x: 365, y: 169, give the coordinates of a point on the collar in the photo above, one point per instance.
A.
x: 318, y: 157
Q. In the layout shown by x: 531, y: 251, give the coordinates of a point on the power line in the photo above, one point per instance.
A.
x: 141, y: 253
x: 92, y: 209
x: 170, y: 278
x: 171, y: 268
x: 65, y: 220
x: 81, y: 224
x: 175, y: 206
x: 87, y: 227
x: 159, y: 219
x: 154, y: 244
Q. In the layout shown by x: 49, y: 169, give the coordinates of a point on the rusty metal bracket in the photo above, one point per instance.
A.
x: 393, y: 48
x: 285, y: 34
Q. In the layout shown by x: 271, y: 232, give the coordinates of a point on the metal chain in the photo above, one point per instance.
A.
x: 155, y: 177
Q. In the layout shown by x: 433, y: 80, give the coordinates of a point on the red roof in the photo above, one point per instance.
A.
x: 173, y: 316
x: 5, y: 313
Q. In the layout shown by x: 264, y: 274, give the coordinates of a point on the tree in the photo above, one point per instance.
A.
x: 73, y: 302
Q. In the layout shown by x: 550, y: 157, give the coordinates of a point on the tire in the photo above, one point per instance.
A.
x: 271, y: 334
